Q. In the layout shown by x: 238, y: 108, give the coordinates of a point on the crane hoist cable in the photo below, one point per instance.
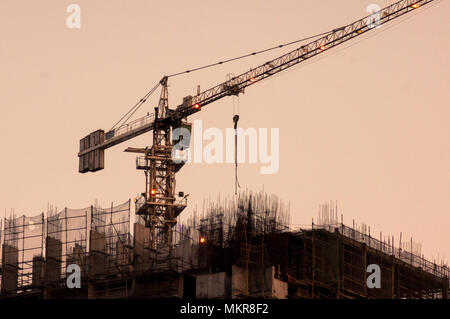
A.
x: 133, y: 110
x: 136, y: 106
x: 146, y: 96
x: 251, y: 54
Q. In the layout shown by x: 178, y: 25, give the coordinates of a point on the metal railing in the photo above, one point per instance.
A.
x: 141, y: 201
x: 442, y: 271
x: 145, y: 120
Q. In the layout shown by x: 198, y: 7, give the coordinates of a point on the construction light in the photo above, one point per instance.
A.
x: 359, y: 31
x: 322, y: 47
x: 252, y: 80
x: 196, y: 106
x: 153, y: 192
x: 415, y: 6
x: 202, y: 240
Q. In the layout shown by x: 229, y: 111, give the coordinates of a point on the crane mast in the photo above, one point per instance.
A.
x: 158, y: 206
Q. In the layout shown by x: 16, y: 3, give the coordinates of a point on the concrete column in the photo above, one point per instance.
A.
x: 364, y: 265
x: 10, y: 269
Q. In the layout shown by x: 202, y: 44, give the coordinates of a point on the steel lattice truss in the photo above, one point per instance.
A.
x: 338, y: 36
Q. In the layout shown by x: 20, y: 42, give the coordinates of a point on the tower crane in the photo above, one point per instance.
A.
x: 158, y: 205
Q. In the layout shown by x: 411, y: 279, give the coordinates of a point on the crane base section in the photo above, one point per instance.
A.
x: 143, y: 207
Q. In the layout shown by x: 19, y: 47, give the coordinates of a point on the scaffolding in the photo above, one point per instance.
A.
x: 110, y: 241
x: 22, y: 253
x: 329, y: 260
x: 66, y: 243
x: 243, y: 244
x: 237, y: 233
x: 387, y: 247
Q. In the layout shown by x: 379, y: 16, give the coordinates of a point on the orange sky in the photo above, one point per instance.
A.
x: 367, y: 126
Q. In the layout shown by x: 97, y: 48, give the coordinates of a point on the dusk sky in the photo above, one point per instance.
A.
x: 366, y: 124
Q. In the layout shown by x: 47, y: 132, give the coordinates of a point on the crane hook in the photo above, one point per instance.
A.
x: 236, y: 181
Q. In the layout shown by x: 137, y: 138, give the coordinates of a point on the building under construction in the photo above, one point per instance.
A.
x: 235, y: 249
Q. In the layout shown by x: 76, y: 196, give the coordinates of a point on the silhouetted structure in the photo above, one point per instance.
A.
x: 236, y: 249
